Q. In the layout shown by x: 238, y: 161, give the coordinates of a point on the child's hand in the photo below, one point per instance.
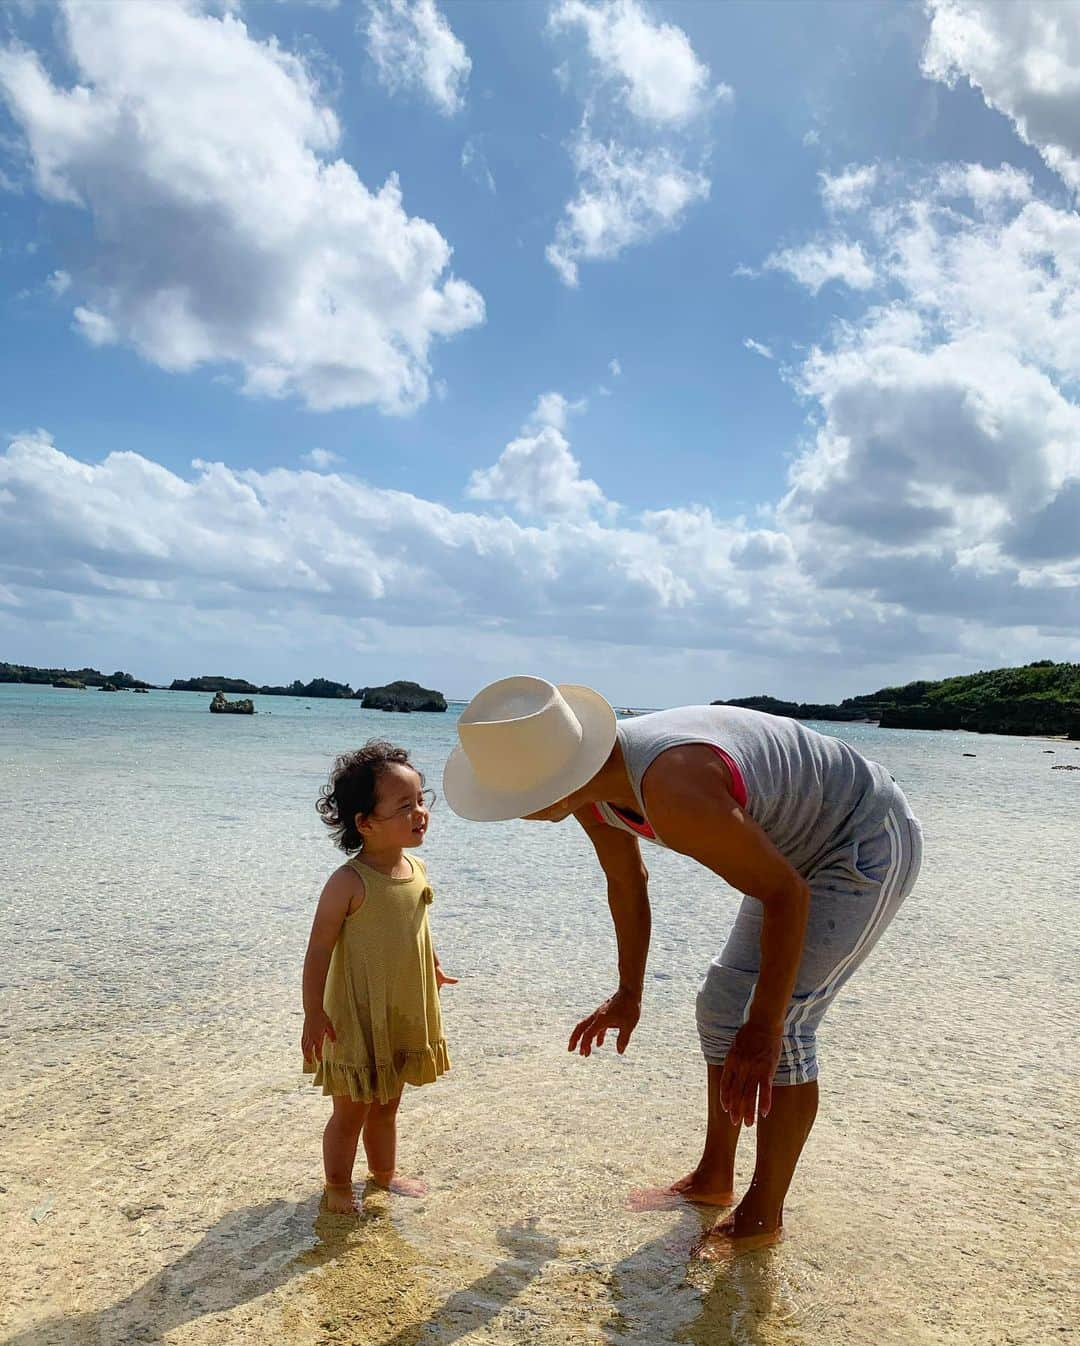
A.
x: 441, y: 979
x: 317, y: 1026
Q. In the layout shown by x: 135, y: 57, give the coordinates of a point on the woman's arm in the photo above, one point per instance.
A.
x: 339, y: 893
x: 628, y: 902
x: 687, y: 797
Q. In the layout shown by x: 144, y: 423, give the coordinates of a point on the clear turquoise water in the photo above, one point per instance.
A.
x: 160, y: 867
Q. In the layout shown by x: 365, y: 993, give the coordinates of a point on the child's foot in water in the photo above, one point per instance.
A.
x: 738, y: 1234
x: 696, y: 1187
x: 340, y: 1199
x: 400, y: 1185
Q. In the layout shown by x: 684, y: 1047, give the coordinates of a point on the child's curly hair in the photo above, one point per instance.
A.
x: 351, y: 788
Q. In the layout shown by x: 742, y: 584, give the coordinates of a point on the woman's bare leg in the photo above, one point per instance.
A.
x: 712, y: 1183
x: 380, y: 1146
x: 340, y: 1139
x: 759, y: 1216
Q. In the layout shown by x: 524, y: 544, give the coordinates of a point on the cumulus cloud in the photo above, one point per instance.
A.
x: 625, y: 197
x: 413, y: 47
x: 536, y: 474
x: 614, y: 369
x: 640, y: 150
x: 225, y: 231
x: 945, y: 471
x: 652, y: 65
x: 1025, y: 60
x: 815, y: 264
x: 850, y: 189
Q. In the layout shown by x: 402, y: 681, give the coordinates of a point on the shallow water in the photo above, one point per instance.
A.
x: 160, y: 869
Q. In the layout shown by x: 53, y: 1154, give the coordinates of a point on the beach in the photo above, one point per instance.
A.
x: 159, y: 1146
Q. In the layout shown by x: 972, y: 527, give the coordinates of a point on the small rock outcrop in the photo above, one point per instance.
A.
x: 401, y: 696
x: 219, y: 706
x: 72, y: 684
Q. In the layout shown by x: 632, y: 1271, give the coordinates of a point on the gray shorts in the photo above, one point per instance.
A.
x: 853, y: 897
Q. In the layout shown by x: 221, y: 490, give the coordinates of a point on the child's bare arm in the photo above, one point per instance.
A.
x: 343, y: 889
x: 442, y: 978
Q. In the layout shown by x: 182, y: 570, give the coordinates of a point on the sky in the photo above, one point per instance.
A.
x: 689, y: 351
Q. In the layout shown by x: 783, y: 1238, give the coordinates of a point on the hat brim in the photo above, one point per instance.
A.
x: 471, y: 799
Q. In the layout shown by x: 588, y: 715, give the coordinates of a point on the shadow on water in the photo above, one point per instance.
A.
x: 667, y: 1295
x: 369, y: 1279
x: 247, y: 1253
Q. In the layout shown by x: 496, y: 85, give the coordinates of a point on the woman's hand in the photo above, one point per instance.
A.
x: 317, y: 1026
x: 621, y: 1013
x: 749, y: 1067
x: 441, y: 978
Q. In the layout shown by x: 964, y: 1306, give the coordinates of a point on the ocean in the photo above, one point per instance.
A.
x: 159, y: 1147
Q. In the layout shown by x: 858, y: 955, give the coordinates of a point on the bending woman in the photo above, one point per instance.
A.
x: 820, y: 840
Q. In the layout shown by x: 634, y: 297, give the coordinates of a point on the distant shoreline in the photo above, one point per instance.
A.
x: 1038, y: 700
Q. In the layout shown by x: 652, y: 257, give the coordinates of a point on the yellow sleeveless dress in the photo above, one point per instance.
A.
x: 381, y: 993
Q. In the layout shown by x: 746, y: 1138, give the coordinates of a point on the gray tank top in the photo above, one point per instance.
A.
x: 811, y: 794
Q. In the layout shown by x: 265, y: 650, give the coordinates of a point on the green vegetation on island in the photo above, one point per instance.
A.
x: 401, y: 696
x: 322, y: 688
x: 70, y: 677
x: 1039, y: 698
x: 406, y: 696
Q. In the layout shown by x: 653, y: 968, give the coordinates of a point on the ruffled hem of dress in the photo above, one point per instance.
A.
x: 384, y: 1081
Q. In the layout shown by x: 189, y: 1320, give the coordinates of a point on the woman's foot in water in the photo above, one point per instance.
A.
x: 400, y: 1185
x: 340, y: 1199
x: 740, y: 1232
x: 700, y: 1187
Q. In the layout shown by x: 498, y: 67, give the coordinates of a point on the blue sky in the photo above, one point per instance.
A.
x: 686, y: 350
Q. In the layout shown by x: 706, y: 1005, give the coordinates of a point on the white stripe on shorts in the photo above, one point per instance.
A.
x: 799, y: 1013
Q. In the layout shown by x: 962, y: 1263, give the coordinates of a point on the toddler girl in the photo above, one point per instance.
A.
x: 372, y: 1022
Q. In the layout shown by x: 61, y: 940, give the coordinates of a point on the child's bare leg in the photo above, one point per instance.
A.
x: 340, y: 1139
x: 380, y: 1146
x: 712, y: 1182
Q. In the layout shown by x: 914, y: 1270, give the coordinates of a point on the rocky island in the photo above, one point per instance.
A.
x: 219, y: 706
x: 1038, y: 699
x: 72, y: 678
x: 401, y: 696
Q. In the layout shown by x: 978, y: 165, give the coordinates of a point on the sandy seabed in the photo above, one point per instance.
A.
x: 159, y: 1147
x: 183, y: 1206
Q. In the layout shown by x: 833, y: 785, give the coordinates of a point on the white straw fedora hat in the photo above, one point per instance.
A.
x: 524, y: 744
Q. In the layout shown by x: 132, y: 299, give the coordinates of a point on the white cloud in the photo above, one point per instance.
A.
x: 638, y: 174
x: 59, y: 282
x: 474, y: 163
x: 321, y: 459
x: 758, y: 348
x: 553, y: 409
x: 413, y: 47
x: 225, y: 233
x: 536, y: 473
x: 850, y: 189
x: 625, y: 197
x: 614, y: 369
x: 653, y: 66
x: 1024, y: 56
x: 985, y: 186
x: 815, y: 264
